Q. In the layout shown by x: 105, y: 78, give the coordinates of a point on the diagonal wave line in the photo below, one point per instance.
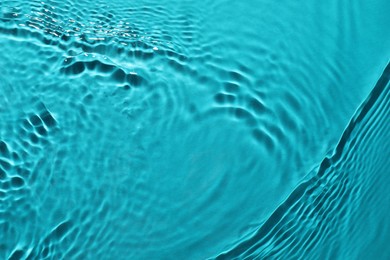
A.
x: 298, y: 212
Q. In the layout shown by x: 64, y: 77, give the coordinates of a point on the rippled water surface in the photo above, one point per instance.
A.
x: 194, y: 129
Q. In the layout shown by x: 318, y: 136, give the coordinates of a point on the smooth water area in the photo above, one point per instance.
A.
x: 194, y: 129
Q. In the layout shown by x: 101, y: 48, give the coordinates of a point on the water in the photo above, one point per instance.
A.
x: 194, y: 129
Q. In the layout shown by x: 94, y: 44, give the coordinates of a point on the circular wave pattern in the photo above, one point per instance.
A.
x: 325, y: 210
x: 164, y: 130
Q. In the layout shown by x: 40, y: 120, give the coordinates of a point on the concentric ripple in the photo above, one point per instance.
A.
x: 327, y: 215
x: 173, y: 129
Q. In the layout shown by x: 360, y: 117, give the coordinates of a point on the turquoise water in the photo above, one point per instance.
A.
x: 194, y: 129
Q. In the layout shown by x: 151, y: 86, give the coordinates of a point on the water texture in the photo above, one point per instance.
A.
x: 327, y: 215
x: 194, y: 129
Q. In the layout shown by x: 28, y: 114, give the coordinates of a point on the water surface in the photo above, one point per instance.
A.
x: 194, y: 129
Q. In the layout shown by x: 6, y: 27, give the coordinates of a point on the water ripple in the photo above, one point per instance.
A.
x: 326, y: 209
x: 149, y: 129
